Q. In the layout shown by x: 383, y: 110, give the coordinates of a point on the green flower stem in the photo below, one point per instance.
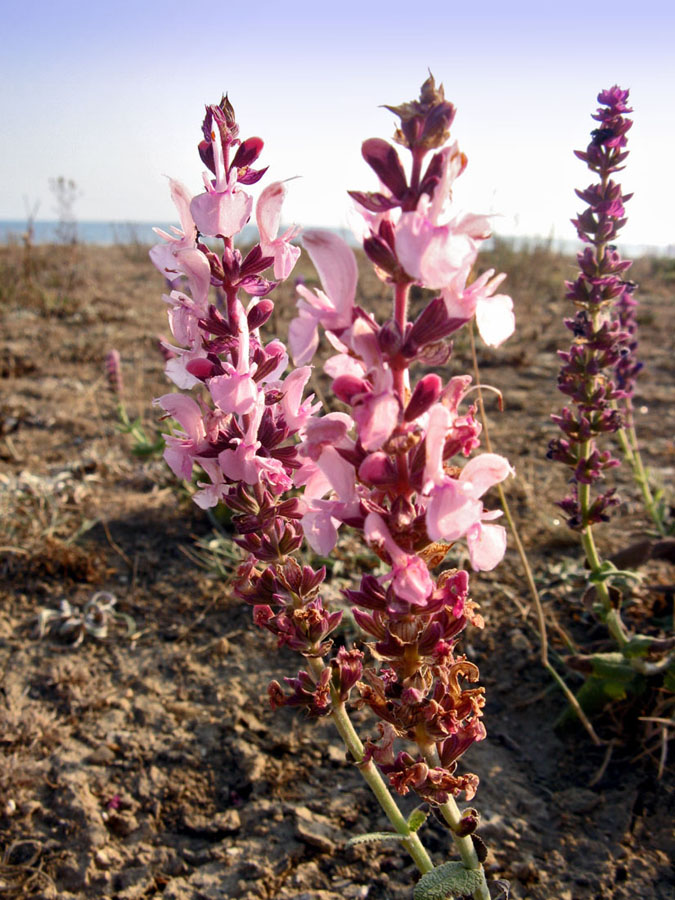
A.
x: 452, y: 815
x: 610, y: 616
x: 629, y: 445
x: 340, y: 717
x: 529, y: 577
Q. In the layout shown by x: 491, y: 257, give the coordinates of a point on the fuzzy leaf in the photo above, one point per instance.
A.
x: 450, y: 880
x: 669, y: 681
x: 373, y: 836
x: 417, y: 818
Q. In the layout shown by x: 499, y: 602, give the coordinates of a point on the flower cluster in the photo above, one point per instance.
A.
x: 599, y: 368
x: 383, y: 465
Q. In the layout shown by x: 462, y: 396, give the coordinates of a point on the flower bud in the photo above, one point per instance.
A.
x: 426, y: 393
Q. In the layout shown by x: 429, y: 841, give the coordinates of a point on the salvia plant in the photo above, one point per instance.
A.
x: 598, y: 378
x: 395, y: 464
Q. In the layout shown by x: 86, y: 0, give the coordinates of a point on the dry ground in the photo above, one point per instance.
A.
x: 134, y: 767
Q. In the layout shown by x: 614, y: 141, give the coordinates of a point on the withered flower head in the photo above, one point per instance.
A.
x: 425, y: 123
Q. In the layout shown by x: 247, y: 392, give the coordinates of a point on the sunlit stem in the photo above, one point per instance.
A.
x: 375, y: 782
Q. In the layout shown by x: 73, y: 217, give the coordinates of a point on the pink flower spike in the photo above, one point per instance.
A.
x: 268, y: 217
x: 411, y: 579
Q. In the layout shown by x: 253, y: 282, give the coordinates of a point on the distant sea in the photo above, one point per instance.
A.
x: 108, y: 233
x: 105, y: 233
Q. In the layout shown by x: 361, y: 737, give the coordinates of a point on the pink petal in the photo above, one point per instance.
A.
x: 339, y: 472
x: 234, y: 393
x: 437, y: 429
x: 320, y: 530
x: 303, y: 337
x: 451, y: 512
x: 484, y: 471
x: 487, y: 546
x: 376, y: 419
x: 412, y: 581
x: 185, y: 411
x: 335, y: 262
x: 268, y: 211
x: 179, y: 461
x: 221, y: 213
x: 495, y: 319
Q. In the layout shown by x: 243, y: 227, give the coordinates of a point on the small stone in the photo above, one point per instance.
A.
x: 577, y: 800
x: 102, y: 859
x: 101, y: 756
x: 122, y: 825
x: 315, y: 830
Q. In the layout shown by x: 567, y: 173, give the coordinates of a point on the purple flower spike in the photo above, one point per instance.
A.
x: 600, y: 367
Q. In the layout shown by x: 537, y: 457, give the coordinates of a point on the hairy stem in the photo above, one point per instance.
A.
x: 401, y: 317
x: 452, y: 815
x: 375, y: 782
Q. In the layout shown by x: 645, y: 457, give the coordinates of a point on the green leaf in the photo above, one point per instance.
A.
x: 373, y: 836
x: 612, y: 667
x: 417, y: 818
x: 669, y: 680
x: 450, y: 880
x: 638, y: 646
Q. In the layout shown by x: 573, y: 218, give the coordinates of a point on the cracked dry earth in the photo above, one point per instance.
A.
x: 151, y: 765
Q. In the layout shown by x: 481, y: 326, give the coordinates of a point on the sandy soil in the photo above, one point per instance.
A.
x: 150, y: 764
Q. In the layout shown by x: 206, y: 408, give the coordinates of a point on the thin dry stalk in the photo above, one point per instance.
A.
x: 529, y: 577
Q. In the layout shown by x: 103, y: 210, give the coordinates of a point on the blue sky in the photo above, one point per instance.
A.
x: 112, y: 95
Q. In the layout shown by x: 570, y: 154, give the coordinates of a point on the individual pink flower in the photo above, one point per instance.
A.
x: 376, y: 413
x: 296, y: 411
x: 268, y: 217
x: 455, y: 509
x: 494, y: 312
x: 436, y: 254
x: 243, y: 463
x: 179, y: 254
x: 322, y: 517
x: 410, y: 576
x: 223, y: 210
x: 181, y: 449
x: 331, y: 307
x: 236, y: 391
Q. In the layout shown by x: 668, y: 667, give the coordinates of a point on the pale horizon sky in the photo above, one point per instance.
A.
x: 112, y: 96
